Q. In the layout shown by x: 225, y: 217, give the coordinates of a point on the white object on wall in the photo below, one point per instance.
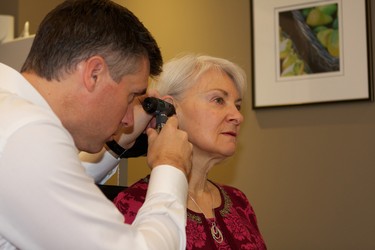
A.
x: 6, y: 28
x: 13, y: 52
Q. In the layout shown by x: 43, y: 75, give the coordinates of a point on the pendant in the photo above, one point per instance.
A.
x: 216, y: 233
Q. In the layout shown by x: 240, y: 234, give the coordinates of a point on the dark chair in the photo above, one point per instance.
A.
x: 111, y: 191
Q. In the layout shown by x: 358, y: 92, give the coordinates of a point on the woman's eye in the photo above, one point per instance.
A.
x: 219, y: 100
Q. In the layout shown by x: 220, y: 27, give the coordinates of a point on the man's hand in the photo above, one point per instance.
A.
x: 170, y: 146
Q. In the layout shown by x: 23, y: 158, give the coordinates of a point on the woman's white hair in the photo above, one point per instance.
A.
x: 181, y: 73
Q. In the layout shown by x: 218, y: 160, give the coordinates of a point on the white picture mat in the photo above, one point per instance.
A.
x: 352, y: 82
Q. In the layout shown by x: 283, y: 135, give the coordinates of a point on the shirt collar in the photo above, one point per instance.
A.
x: 14, y: 82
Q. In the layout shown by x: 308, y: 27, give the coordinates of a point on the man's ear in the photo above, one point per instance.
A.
x: 94, y: 70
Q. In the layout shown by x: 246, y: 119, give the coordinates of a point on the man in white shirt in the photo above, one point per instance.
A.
x: 89, y: 60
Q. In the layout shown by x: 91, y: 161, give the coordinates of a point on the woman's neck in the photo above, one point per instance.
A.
x: 200, y: 189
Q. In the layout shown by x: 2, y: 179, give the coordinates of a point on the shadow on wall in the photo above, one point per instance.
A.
x: 347, y: 113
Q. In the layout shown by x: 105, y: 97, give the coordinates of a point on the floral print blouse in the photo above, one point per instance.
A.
x: 234, y: 217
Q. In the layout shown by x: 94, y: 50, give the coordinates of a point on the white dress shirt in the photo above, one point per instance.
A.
x: 47, y: 201
x: 101, y: 166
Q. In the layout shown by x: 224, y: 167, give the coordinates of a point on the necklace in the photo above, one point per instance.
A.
x: 215, y: 231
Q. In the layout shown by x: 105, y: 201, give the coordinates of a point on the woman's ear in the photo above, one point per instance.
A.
x: 169, y: 99
x: 173, y: 101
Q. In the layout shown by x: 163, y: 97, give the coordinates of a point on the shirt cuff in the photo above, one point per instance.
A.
x: 168, y: 179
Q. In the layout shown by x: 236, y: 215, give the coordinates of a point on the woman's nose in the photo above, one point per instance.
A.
x: 236, y: 116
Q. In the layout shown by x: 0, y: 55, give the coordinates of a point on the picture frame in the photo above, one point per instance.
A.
x: 293, y: 64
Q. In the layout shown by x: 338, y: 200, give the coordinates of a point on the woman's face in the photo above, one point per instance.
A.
x: 209, y: 113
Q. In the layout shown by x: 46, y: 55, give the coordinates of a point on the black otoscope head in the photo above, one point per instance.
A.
x: 155, y: 106
x: 160, y: 109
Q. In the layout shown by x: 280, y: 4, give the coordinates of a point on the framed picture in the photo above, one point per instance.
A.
x: 308, y: 52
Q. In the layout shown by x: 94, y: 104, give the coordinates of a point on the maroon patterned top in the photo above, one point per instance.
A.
x: 235, y: 218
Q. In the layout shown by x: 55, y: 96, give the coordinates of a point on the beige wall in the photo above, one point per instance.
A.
x: 26, y: 10
x: 34, y: 12
x: 308, y: 171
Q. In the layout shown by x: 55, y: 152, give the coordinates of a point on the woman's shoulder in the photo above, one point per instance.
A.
x: 142, y: 183
x: 229, y: 188
x: 232, y: 191
x: 233, y: 195
x: 131, y: 199
x: 134, y: 193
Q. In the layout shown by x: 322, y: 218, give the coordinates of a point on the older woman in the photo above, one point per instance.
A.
x: 207, y: 94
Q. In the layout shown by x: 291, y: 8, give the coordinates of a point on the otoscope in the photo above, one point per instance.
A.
x: 155, y: 107
x: 160, y: 109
